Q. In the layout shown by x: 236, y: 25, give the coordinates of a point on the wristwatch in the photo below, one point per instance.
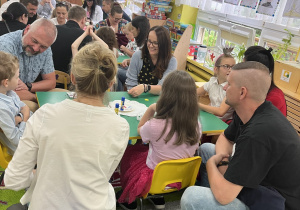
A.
x: 223, y: 163
x: 29, y: 85
x: 149, y: 88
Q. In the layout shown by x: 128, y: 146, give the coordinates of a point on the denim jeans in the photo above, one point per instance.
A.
x: 205, y: 151
x: 121, y: 77
x: 198, y: 198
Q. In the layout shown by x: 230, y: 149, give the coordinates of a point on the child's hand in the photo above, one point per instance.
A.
x: 18, y: 119
x: 123, y: 48
x: 25, y: 112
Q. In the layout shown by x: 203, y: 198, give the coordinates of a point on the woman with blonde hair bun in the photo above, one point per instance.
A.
x: 76, y: 144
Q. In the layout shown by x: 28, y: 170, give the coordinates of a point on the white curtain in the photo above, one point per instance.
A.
x: 192, y: 3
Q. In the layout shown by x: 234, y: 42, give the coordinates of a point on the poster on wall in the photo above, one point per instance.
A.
x: 292, y: 9
x: 267, y: 7
x: 234, y: 2
x: 249, y: 3
x: 219, y: 1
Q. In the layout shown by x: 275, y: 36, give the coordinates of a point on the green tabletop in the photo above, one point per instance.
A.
x: 121, y: 58
x: 210, y: 123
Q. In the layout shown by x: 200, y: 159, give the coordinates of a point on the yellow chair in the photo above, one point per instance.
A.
x: 184, y: 171
x: 62, y: 78
x: 4, y: 156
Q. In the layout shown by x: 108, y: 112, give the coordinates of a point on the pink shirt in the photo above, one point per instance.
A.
x: 159, y: 150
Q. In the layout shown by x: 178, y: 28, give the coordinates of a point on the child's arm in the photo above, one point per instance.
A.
x: 25, y: 112
x: 201, y: 91
x: 8, y: 126
x: 126, y: 50
x: 218, y: 111
x: 77, y: 42
x: 147, y: 116
x: 88, y: 31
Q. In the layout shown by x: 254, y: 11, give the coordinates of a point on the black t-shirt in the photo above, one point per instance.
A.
x: 13, y: 25
x: 267, y: 153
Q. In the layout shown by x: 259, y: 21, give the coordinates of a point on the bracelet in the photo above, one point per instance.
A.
x: 223, y: 163
x: 148, y: 88
x: 145, y: 88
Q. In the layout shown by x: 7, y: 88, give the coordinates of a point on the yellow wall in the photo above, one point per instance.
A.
x: 188, y: 14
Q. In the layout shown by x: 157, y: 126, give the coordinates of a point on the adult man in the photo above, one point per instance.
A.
x: 66, y: 35
x: 106, y: 7
x: 263, y: 147
x: 31, y: 6
x: 32, y: 48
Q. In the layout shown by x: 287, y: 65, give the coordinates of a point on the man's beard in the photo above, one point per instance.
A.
x: 29, y: 53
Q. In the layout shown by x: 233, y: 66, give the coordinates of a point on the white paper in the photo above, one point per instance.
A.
x: 267, y: 7
x: 249, y: 3
x: 292, y: 9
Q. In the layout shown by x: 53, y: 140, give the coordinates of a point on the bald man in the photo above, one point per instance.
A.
x: 32, y: 47
x: 255, y: 162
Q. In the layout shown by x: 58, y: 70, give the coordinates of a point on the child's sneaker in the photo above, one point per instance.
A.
x: 158, y: 202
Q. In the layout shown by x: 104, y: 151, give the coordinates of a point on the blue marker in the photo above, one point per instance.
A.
x: 117, y: 108
x: 122, y: 103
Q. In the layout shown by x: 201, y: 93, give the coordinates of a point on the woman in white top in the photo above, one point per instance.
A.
x: 93, y: 11
x: 61, y: 13
x: 76, y: 144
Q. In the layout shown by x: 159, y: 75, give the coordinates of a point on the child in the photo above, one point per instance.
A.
x: 214, y: 87
x: 173, y: 133
x: 131, y: 47
x: 108, y: 36
x: 13, y: 112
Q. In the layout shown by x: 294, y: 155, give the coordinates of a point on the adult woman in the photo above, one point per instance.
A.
x: 15, y: 18
x: 116, y: 22
x: 260, y: 54
x: 77, y: 144
x: 61, y: 13
x: 140, y: 29
x: 149, y: 67
x: 173, y: 133
x: 93, y: 11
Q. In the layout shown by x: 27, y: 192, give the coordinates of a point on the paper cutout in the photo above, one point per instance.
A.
x: 220, y: 1
x: 292, y: 9
x: 267, y: 7
x: 234, y: 2
x: 249, y: 3
x: 286, y: 75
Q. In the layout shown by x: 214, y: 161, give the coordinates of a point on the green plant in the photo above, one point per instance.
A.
x: 240, y: 52
x: 280, y: 52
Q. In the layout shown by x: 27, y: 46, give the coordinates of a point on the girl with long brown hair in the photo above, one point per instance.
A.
x: 173, y: 133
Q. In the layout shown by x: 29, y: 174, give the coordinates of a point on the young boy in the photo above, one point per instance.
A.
x: 131, y: 47
x: 13, y: 112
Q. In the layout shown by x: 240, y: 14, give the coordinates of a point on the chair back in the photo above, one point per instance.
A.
x: 4, y: 156
x: 62, y: 78
x: 182, y: 171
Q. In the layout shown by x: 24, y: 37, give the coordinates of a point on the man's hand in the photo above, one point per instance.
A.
x: 216, y: 159
x: 21, y: 86
x: 137, y: 90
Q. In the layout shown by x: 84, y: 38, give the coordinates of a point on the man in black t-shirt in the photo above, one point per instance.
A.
x: 255, y: 162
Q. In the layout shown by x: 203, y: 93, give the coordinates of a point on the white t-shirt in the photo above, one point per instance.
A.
x: 216, y: 95
x: 77, y: 148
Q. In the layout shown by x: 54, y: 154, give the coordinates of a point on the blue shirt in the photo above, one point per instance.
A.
x: 30, y: 66
x: 10, y: 106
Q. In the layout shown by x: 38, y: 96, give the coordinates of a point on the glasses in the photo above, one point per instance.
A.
x: 117, y: 19
x: 154, y: 44
x: 63, y: 3
x: 226, y: 66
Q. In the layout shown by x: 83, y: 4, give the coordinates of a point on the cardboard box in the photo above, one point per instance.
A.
x: 287, y: 75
